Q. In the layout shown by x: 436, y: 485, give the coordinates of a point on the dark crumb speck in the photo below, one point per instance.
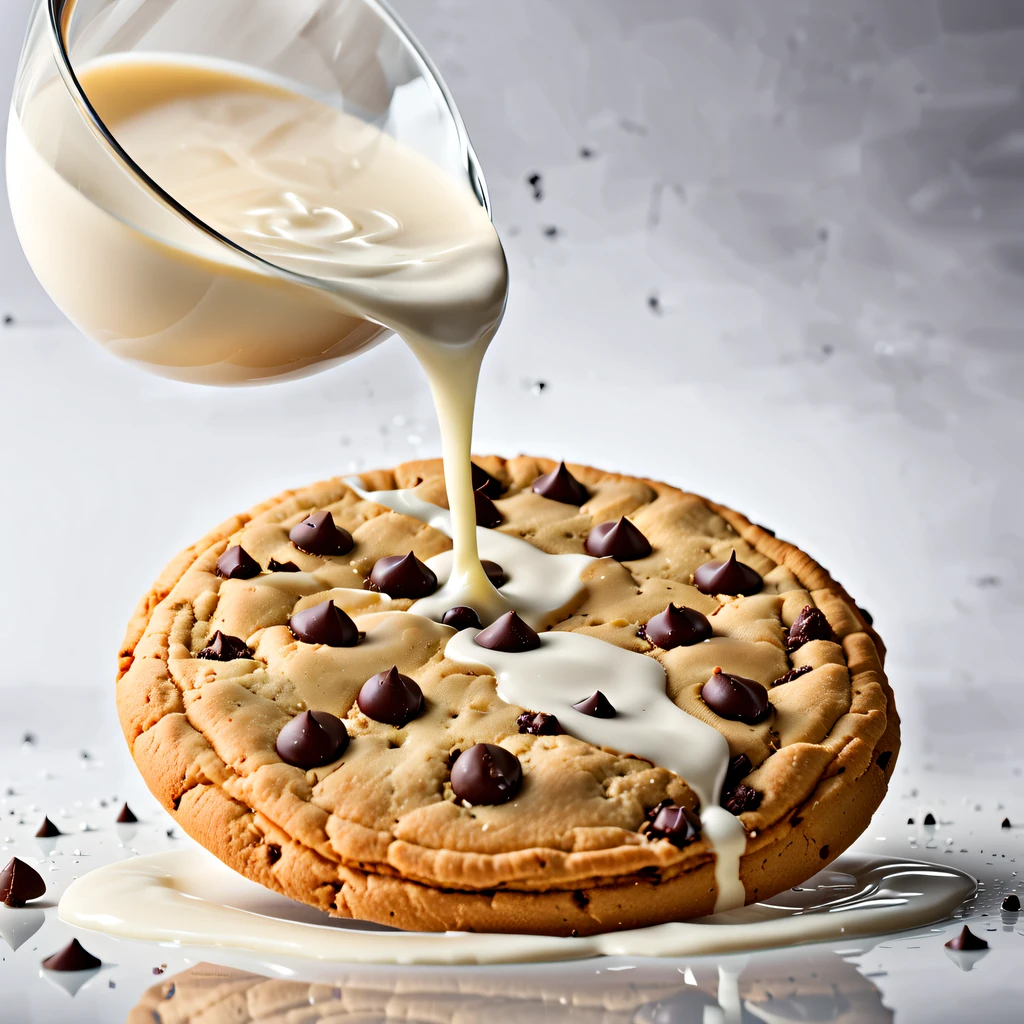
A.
x: 987, y: 582
x: 824, y: 852
x: 111, y: 984
x: 929, y: 819
x: 586, y: 153
x: 538, y: 387
x: 8, y: 320
x: 158, y: 970
x: 29, y: 737
x: 883, y: 759
x: 910, y: 821
x: 551, y: 231
x: 1006, y: 823
x: 534, y: 181
x: 654, y: 304
x: 793, y: 673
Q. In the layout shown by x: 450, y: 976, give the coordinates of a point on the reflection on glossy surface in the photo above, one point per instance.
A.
x: 19, y: 924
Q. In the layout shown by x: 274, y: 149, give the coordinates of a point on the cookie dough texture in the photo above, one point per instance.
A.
x: 379, y: 835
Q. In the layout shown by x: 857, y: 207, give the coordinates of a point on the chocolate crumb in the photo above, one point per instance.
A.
x: 534, y: 181
x: 538, y: 724
x: 883, y: 759
x: 551, y: 231
x: 793, y: 673
x: 580, y: 898
x: 8, y: 320
x: 742, y: 799
x: 824, y: 852
x: 910, y: 821
x: 929, y: 819
x: 1006, y: 823
x: 586, y: 153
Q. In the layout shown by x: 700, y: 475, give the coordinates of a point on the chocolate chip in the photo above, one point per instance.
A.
x: 237, y: 564
x: 929, y: 819
x: 824, y: 852
x: 483, y: 481
x: 318, y: 534
x: 538, y: 723
x: 48, y: 830
x: 324, y: 623
x: 509, y: 634
x: 561, y: 485
x: 883, y: 759
x: 461, y: 617
x: 793, y: 673
x: 866, y: 615
x: 126, y: 816
x: 966, y: 941
x: 677, y: 627
x: 741, y: 799
x: 1005, y: 823
x: 736, y: 697
x: 619, y: 540
x: 73, y: 957
x: 674, y: 823
x: 487, y: 514
x: 225, y: 648
x: 910, y: 821
x: 486, y: 774
x: 312, y: 739
x: 402, y: 576
x: 739, y: 768
x: 390, y: 697
x: 495, y: 573
x: 1011, y: 903
x: 810, y: 624
x: 729, y: 577
x: 597, y: 705
x: 275, y: 566
x: 20, y: 883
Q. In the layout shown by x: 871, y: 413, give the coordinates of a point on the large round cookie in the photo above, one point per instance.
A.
x: 379, y: 834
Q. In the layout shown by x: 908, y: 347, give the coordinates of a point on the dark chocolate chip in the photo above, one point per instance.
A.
x: 929, y: 819
x: 1011, y: 903
x: 966, y: 941
x: 237, y: 564
x: 509, y: 634
x: 674, y: 823
x: 402, y: 576
x: 883, y: 759
x: 739, y: 768
x: 73, y: 957
x: 390, y: 697
x: 126, y: 816
x: 824, y: 852
x: 225, y: 648
x: 741, y: 799
x: 561, y: 485
x: 534, y: 181
x: 487, y: 514
x: 312, y: 739
x: 810, y: 624
x: 48, y: 830
x: 866, y: 615
x: 736, y: 697
x: 275, y: 566
x: 495, y: 573
x: 324, y: 623
x: 731, y: 577
x: 1005, y: 823
x: 320, y: 535
x: 619, y: 540
x: 483, y: 481
x: 910, y: 821
x: 486, y: 774
x: 677, y: 627
x: 538, y: 723
x: 597, y: 705
x: 20, y: 883
x: 793, y: 673
x: 461, y: 617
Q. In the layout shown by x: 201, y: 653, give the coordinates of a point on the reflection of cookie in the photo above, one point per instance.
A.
x: 574, y: 841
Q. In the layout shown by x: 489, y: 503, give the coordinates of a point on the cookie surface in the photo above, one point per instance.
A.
x: 378, y: 833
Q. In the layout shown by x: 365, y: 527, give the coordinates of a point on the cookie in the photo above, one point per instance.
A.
x: 304, y: 718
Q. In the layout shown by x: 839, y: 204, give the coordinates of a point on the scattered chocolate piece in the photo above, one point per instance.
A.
x: 739, y: 768
x: 495, y: 573
x: 910, y: 821
x: 538, y: 723
x: 483, y: 481
x: 866, y: 615
x: 318, y: 534
x: 597, y: 705
x: 793, y: 673
x: 1005, y: 823
x: 390, y: 697
x: 742, y: 799
x: 237, y: 564
x: 461, y: 617
x: 312, y: 739
x: 674, y: 823
x: 534, y: 181
x: 225, y: 648
x: 677, y: 627
x: 929, y: 819
x: 509, y: 634
x: 73, y: 957
x: 883, y: 759
x: 729, y: 577
x: 824, y: 852
x: 19, y: 883
x: 486, y: 774
x: 966, y: 942
x: 48, y: 830
x: 402, y: 576
x: 736, y: 697
x: 126, y: 816
x: 1011, y: 903
x: 275, y: 566
x: 810, y: 624
x: 561, y: 485
x: 324, y: 623
x: 487, y: 514
x: 619, y: 540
